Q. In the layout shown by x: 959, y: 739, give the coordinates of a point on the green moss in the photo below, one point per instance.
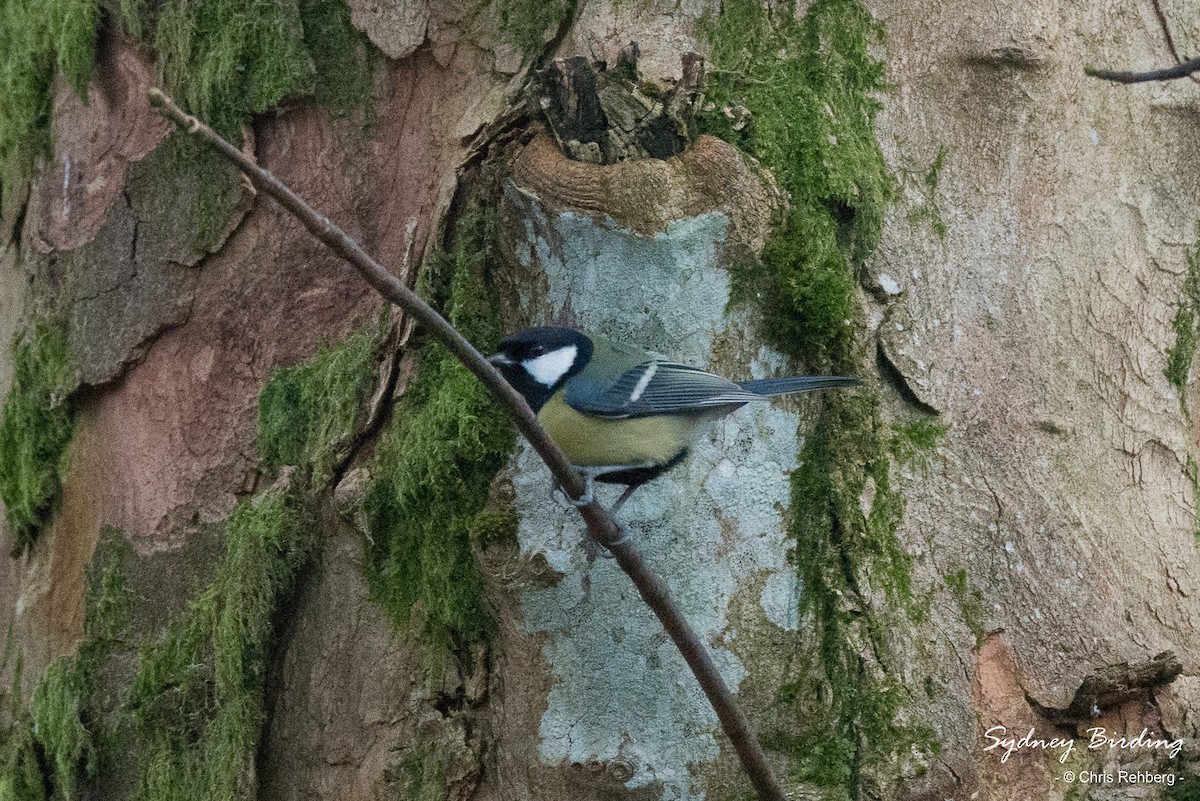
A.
x: 435, y: 463
x: 35, y: 37
x: 36, y: 423
x: 58, y: 737
x: 132, y: 17
x: 224, y: 60
x: 197, y: 698
x: 841, y: 554
x: 109, y: 602
x: 970, y: 601
x: 195, y: 706
x: 930, y: 211
x: 227, y: 59
x: 525, y: 23
x: 810, y: 88
x: 1191, y: 471
x: 308, y: 413
x: 932, y: 177
x: 423, y: 775
x: 1180, y: 355
x: 21, y: 776
x: 911, y: 439
x: 1186, y: 787
x: 59, y: 705
x: 343, y: 58
x: 73, y: 35
x: 495, y: 528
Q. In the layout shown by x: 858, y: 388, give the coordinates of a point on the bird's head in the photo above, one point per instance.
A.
x: 537, y: 361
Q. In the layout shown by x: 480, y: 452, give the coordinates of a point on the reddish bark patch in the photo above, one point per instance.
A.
x: 998, y: 696
x: 47, y: 584
x: 94, y: 142
x: 423, y: 130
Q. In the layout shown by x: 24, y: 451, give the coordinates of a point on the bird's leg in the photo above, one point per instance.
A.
x: 616, y: 507
x: 589, y: 486
x: 624, y: 529
x: 589, y: 490
x: 589, y: 475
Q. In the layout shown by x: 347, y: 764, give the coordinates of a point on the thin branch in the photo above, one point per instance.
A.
x: 1170, y: 40
x: 600, y: 523
x: 1182, y: 70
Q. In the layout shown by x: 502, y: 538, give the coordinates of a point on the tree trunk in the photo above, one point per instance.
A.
x: 270, y: 542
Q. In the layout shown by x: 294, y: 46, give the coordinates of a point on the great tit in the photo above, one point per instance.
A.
x: 623, y: 415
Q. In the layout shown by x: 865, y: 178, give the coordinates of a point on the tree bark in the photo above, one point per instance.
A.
x: 1028, y: 293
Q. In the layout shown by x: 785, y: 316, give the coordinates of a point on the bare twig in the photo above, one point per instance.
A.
x: 1182, y: 70
x: 1167, y: 37
x: 600, y: 523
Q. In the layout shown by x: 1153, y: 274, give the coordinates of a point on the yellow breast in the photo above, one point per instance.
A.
x: 595, y: 441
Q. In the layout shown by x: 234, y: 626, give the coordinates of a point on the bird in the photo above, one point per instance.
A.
x: 621, y: 414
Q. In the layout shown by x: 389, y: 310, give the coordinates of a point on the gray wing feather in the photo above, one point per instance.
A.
x: 670, y: 389
x: 651, y: 385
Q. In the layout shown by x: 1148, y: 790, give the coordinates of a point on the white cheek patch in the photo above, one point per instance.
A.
x: 548, y: 369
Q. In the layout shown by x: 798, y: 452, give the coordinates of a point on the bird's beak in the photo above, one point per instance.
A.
x: 499, y: 360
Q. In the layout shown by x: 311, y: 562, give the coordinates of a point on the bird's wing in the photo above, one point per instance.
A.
x: 659, y: 387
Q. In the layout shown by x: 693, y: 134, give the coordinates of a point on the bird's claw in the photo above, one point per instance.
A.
x: 621, y: 540
x: 588, y: 496
x: 583, y: 500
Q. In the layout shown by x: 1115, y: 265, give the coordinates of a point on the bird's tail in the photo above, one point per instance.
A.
x: 768, y: 387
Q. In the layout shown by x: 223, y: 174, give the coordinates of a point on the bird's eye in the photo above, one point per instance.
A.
x: 536, y: 350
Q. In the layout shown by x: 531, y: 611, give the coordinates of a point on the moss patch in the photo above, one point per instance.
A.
x: 194, y: 708
x: 422, y: 775
x: 970, y: 601
x: 197, y: 700
x: 1186, y: 787
x: 21, y: 775
x: 36, y: 423
x: 36, y: 36
x: 343, y: 57
x: 1180, y: 355
x: 524, y: 23
x: 227, y: 59
x: 224, y: 60
x: 308, y: 413
x: 801, y: 96
x: 912, y: 439
x: 844, y: 557
x: 810, y: 87
x: 927, y: 184
x: 436, y: 461
x: 56, y: 745
x: 1191, y: 471
x: 59, y: 708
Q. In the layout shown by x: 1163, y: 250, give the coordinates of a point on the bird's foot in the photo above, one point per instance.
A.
x: 595, y: 547
x: 589, y: 491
